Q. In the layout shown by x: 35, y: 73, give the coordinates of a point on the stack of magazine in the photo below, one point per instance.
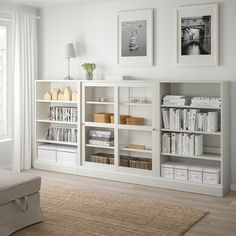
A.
x: 62, y: 134
x: 176, y: 100
x: 69, y: 114
x: 182, y: 144
x: 190, y: 119
x: 101, y: 138
x: 206, y: 102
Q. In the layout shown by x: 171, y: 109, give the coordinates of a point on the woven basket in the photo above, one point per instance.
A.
x: 140, y: 163
x: 134, y: 121
x: 124, y: 161
x: 101, y: 158
x: 102, y: 117
x: 122, y: 119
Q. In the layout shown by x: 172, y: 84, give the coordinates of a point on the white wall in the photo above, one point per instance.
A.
x: 93, y: 28
x: 6, y: 8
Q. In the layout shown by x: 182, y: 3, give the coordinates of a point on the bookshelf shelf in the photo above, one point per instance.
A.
x: 136, y: 150
x: 99, y: 103
x: 190, y: 132
x: 191, y: 107
x: 136, y: 127
x: 205, y: 156
x: 102, y: 125
x: 56, y: 142
x: 97, y: 146
x: 136, y: 104
x: 56, y: 101
x: 56, y: 122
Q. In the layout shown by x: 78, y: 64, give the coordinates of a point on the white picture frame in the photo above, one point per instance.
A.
x: 135, y: 38
x: 199, y: 25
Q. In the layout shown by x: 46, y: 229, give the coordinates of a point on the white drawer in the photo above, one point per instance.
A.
x: 46, y: 155
x: 66, y: 158
x: 195, y: 176
x: 181, y: 174
x: 167, y: 172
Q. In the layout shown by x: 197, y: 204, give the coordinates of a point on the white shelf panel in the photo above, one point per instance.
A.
x: 191, y: 132
x: 135, y: 150
x: 56, y: 122
x: 57, y: 81
x: 102, y: 125
x: 136, y: 104
x: 206, y: 156
x: 193, y: 107
x: 99, y: 103
x: 56, y: 101
x: 56, y: 142
x: 97, y: 146
x: 136, y: 127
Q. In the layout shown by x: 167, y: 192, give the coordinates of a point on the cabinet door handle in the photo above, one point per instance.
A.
x: 153, y: 129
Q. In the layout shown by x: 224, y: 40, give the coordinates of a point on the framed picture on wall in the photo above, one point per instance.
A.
x: 135, y: 38
x: 197, y: 35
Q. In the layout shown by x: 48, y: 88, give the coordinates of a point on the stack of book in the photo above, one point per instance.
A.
x: 182, y: 144
x: 176, y: 100
x: 69, y: 114
x: 62, y: 134
x: 206, y: 102
x: 101, y: 138
x: 190, y: 119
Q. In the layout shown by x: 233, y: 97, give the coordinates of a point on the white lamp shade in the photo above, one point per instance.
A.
x: 69, y: 50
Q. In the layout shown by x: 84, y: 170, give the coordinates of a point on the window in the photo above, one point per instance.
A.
x: 3, y: 81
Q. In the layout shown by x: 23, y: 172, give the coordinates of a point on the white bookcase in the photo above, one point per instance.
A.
x: 212, y: 140
x: 136, y: 99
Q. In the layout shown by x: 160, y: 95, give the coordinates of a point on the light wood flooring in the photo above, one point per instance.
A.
x: 221, y: 220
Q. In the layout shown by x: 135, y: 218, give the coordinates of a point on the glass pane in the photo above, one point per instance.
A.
x: 3, y: 87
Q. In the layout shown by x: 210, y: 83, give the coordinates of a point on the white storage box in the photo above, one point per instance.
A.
x: 167, y: 170
x: 211, y: 175
x: 66, y: 156
x: 195, y: 174
x: 181, y: 171
x: 47, y: 153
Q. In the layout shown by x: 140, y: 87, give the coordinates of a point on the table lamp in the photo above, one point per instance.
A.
x: 69, y: 52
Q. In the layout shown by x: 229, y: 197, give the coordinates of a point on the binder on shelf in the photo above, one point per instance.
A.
x: 198, y: 145
x: 166, y: 118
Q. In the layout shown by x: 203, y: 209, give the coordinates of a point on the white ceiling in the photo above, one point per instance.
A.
x: 46, y: 3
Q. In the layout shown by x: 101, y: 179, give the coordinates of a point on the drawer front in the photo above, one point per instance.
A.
x: 195, y: 176
x: 66, y: 158
x: 167, y: 172
x: 46, y: 155
x: 211, y: 178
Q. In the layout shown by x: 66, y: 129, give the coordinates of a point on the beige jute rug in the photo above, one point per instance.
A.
x: 71, y: 211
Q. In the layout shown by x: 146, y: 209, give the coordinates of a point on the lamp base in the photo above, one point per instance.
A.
x: 68, y: 77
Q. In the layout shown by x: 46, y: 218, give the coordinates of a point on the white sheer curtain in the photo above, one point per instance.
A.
x: 25, y: 73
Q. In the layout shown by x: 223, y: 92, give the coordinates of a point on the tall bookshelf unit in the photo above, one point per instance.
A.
x: 136, y: 99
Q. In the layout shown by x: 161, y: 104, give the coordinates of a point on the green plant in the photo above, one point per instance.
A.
x: 89, y: 67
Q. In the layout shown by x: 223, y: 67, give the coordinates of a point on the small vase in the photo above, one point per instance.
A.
x: 88, y: 76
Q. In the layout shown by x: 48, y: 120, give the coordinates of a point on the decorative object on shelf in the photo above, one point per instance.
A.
x: 47, y: 96
x: 122, y: 119
x: 176, y: 100
x: 69, y: 52
x: 67, y: 94
x: 74, y: 96
x: 135, y: 121
x: 197, y: 35
x: 140, y: 163
x: 141, y: 100
x: 60, y: 96
x: 103, y: 158
x: 55, y: 93
x: 102, y: 117
x: 135, y: 38
x: 136, y: 146
x: 206, y: 102
x: 89, y: 68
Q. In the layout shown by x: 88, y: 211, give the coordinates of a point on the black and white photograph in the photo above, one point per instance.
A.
x: 134, y: 38
x: 196, y: 35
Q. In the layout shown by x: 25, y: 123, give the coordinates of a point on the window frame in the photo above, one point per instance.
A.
x: 9, y: 62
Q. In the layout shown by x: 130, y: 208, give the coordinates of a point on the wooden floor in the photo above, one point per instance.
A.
x: 221, y: 220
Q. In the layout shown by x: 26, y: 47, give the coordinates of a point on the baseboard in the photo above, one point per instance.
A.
x: 233, y: 187
x: 8, y: 167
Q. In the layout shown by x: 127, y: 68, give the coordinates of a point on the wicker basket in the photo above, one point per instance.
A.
x: 122, y: 119
x: 124, y: 161
x: 140, y: 163
x: 102, y: 117
x: 101, y: 158
x: 135, y: 121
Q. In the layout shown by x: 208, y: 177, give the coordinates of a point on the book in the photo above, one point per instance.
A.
x: 166, y: 118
